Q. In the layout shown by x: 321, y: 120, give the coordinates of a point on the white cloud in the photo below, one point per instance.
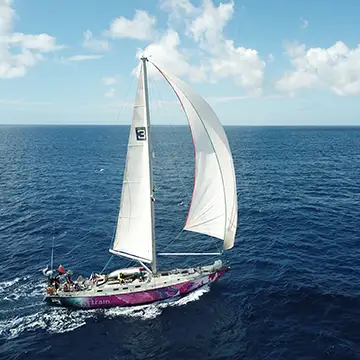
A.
x: 336, y: 68
x: 29, y: 47
x: 166, y: 53
x: 109, y: 80
x: 141, y: 27
x: 23, y: 102
x: 177, y: 7
x: 225, y: 99
x: 242, y: 64
x: 179, y: 10
x: 94, y: 44
x: 216, y: 56
x: 208, y: 27
x: 304, y: 23
x: 110, y: 93
x: 84, y: 57
x: 42, y: 42
x: 270, y: 58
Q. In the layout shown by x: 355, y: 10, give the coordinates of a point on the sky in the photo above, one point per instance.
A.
x: 257, y: 62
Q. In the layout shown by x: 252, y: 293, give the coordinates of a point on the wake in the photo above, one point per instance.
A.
x: 17, y: 293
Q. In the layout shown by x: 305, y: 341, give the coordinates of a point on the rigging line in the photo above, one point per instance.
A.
x: 161, y: 107
x: 217, y: 245
x: 117, y: 119
x: 173, y: 240
x: 114, y: 230
x: 164, y: 109
x: 84, y: 240
x: 52, y: 251
x: 175, y: 136
x: 153, y: 133
x: 126, y: 97
x: 115, y: 227
x: 154, y: 136
x: 107, y: 264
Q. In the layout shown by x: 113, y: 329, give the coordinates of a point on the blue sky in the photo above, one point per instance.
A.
x: 257, y: 62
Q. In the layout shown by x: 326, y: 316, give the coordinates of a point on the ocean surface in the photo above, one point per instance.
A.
x: 293, y: 291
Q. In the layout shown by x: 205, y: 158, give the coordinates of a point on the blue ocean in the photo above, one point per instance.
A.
x: 293, y: 291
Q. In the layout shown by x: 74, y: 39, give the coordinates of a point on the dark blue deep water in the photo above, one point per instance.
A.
x: 294, y: 288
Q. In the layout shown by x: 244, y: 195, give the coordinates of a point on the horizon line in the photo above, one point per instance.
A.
x: 185, y: 125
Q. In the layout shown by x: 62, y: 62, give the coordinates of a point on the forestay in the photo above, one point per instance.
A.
x: 213, y: 209
x: 133, y: 237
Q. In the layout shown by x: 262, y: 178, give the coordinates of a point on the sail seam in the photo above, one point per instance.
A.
x: 207, y: 221
x: 134, y: 145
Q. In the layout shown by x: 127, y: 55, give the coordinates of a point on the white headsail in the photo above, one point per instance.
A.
x: 134, y: 233
x: 213, y: 209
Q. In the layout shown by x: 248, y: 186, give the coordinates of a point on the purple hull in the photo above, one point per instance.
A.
x: 138, y: 298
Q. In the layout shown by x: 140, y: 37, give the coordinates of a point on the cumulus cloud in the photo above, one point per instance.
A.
x: 141, y: 27
x: 216, y: 56
x: 84, y: 57
x: 176, y: 7
x: 94, y: 44
x: 109, y: 80
x: 336, y: 68
x: 18, y: 102
x: 42, y: 42
x: 19, y: 51
x: 110, y: 93
x: 270, y: 58
x: 304, y: 23
x: 167, y: 53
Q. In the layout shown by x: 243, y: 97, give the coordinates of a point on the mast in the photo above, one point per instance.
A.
x: 147, y: 116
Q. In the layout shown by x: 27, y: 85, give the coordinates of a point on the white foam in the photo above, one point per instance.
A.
x: 4, y: 285
x: 24, y: 289
x: 60, y: 320
x: 53, y: 320
x: 144, y: 312
x: 153, y: 310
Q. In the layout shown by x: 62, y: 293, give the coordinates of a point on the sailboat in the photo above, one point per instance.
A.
x: 212, y: 211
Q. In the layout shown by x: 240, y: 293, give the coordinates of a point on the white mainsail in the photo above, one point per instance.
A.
x: 213, y: 209
x: 134, y: 233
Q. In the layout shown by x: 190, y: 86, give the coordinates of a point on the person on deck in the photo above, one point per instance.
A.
x: 57, y: 282
x: 141, y: 274
x: 69, y: 280
x: 121, y: 278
